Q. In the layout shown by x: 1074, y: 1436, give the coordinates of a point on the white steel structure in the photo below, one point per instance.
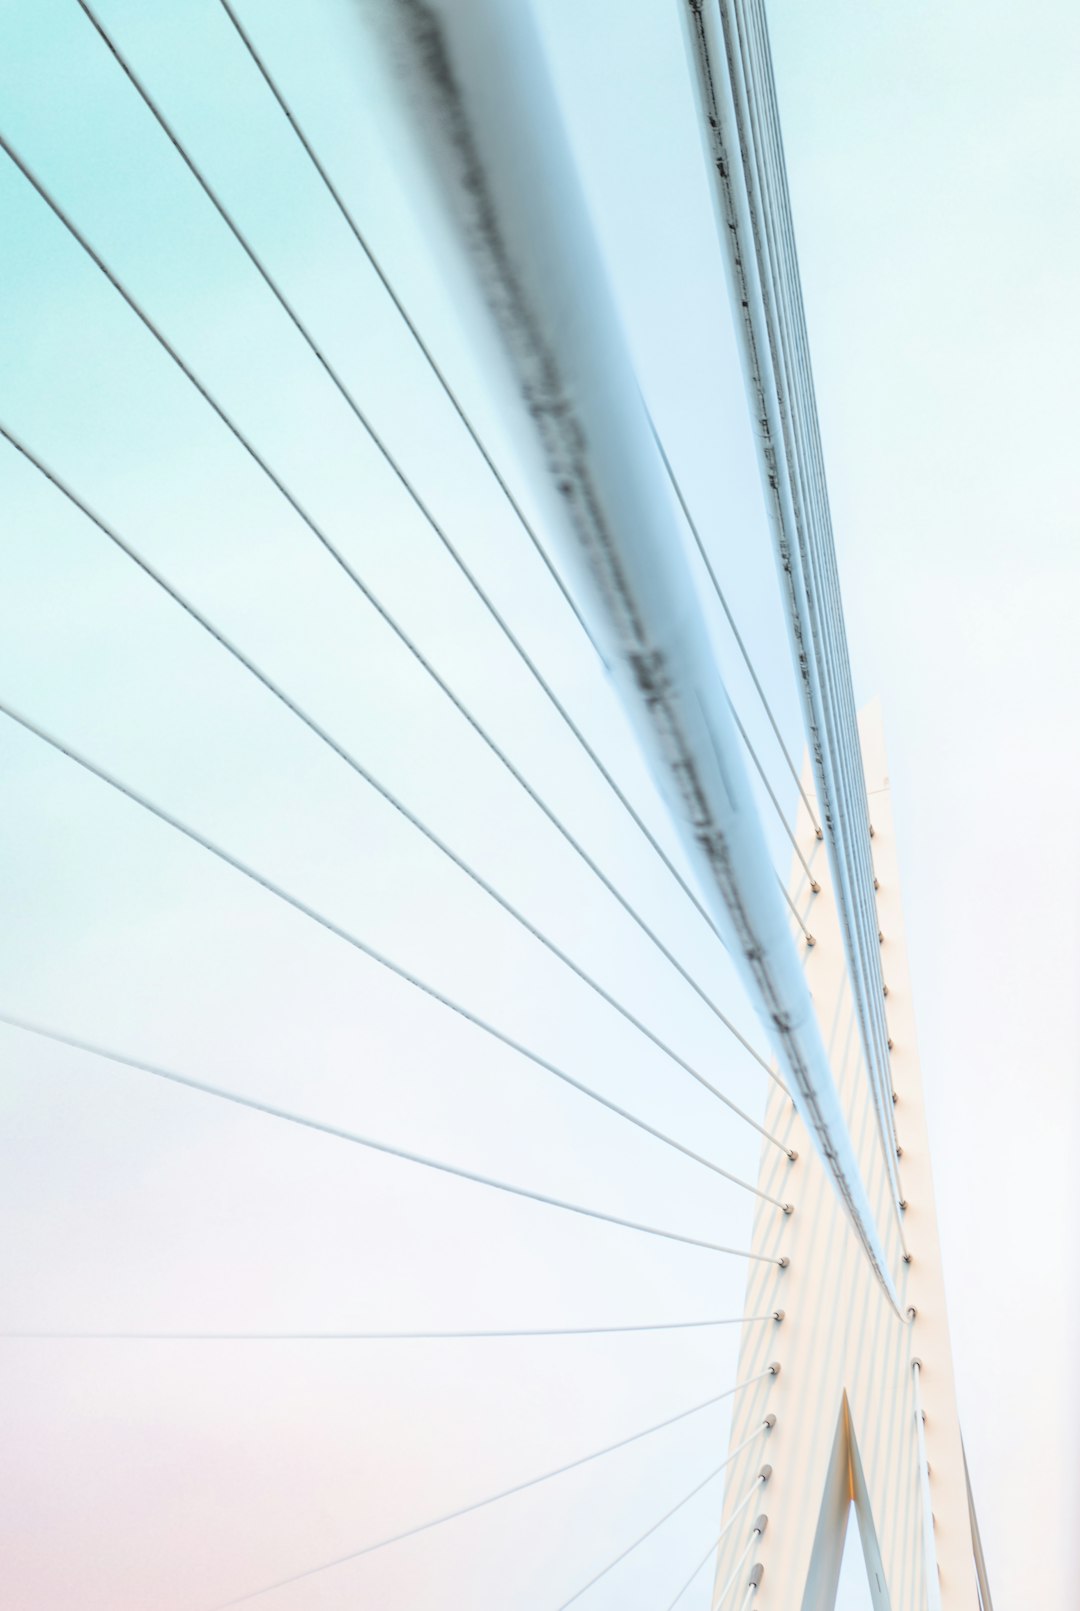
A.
x: 857, y: 1422
x: 866, y: 1408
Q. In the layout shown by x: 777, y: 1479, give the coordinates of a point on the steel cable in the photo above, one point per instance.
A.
x: 373, y: 782
x: 389, y: 620
x: 271, y: 1110
x: 354, y: 940
x: 373, y: 1336
x: 505, y: 1493
x: 658, y: 1524
x: 736, y: 634
x: 759, y: 1481
x: 349, y: 399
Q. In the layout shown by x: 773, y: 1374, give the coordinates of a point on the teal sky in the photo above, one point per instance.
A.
x: 931, y: 150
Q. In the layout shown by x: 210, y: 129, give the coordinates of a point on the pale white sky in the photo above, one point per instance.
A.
x: 932, y: 157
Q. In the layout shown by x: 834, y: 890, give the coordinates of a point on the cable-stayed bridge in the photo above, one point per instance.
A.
x: 843, y: 1395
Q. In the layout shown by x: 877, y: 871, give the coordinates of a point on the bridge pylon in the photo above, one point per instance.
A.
x: 865, y: 1401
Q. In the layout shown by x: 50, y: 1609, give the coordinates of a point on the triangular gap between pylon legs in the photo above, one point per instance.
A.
x: 844, y: 1488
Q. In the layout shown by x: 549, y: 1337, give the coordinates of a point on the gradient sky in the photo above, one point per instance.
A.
x: 932, y: 156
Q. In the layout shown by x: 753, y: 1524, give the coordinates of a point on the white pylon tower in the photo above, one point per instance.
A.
x: 856, y: 1380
